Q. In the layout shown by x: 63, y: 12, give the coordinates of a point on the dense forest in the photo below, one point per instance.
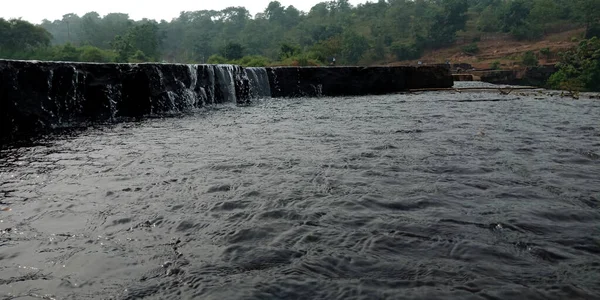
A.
x: 369, y: 33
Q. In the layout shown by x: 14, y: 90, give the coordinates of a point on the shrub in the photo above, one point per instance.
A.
x: 592, y: 31
x: 288, y: 50
x: 67, y: 53
x: 545, y: 52
x: 93, y: 54
x: 561, y: 81
x: 529, y: 59
x: 252, y: 61
x: 139, y: 57
x: 406, y: 50
x: 301, y: 60
x: 495, y: 65
x: 471, y: 49
x: 233, y: 51
x: 579, y: 69
x: 527, y: 32
x: 217, y: 59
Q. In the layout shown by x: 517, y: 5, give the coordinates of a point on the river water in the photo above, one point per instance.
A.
x: 438, y: 195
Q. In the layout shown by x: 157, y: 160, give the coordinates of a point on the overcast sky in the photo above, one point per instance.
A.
x: 37, y: 10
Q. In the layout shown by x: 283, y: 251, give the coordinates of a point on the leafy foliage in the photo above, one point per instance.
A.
x: 471, y: 49
x: 21, y: 36
x: 579, y: 69
x: 529, y: 59
x: 545, y: 52
x: 495, y: 65
x: 233, y: 51
x: 288, y: 50
x: 406, y: 50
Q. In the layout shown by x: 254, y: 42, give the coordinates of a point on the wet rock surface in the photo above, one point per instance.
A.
x: 39, y: 97
x: 437, y: 195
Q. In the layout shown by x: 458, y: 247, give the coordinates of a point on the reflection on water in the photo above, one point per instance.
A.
x: 423, y: 196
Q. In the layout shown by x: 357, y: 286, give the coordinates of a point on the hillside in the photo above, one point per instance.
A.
x: 502, y: 48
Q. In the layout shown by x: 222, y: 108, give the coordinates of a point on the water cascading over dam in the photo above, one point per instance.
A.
x: 38, y: 97
x: 259, y: 82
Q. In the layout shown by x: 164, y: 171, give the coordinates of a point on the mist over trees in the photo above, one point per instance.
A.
x: 368, y: 33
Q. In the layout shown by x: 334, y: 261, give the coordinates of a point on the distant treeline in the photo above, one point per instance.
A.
x: 363, y: 34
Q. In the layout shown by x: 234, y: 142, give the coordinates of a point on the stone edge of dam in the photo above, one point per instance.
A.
x: 40, y: 97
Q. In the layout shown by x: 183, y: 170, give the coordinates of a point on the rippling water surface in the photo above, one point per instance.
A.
x: 428, y: 196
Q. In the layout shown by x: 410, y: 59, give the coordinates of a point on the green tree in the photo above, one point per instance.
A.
x: 325, y: 50
x: 66, y: 30
x: 21, y: 36
x: 529, y: 59
x: 68, y: 52
x: 451, y: 18
x: 275, y: 12
x: 579, y: 69
x: 233, y: 51
x: 353, y: 47
x: 93, y: 54
x: 515, y: 14
x: 288, y: 50
x: 123, y: 48
x: 406, y: 50
x: 545, y: 11
x: 144, y: 37
x: 588, y: 12
x: 138, y: 57
x: 364, y: 33
x: 489, y: 20
x: 217, y: 59
x: 471, y: 49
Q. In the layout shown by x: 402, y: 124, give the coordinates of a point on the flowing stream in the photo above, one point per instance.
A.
x: 473, y: 195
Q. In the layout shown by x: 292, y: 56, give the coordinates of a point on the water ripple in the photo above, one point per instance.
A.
x: 413, y: 196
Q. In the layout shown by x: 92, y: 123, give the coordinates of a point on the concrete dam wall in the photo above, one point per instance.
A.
x: 354, y: 81
x: 39, y: 97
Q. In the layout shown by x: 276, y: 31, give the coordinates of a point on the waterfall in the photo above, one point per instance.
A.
x: 209, y: 87
x: 191, y: 94
x: 74, y: 84
x: 170, y: 106
x: 38, y: 97
x: 259, y: 82
x: 226, y: 82
x: 49, y: 97
x: 113, y: 93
